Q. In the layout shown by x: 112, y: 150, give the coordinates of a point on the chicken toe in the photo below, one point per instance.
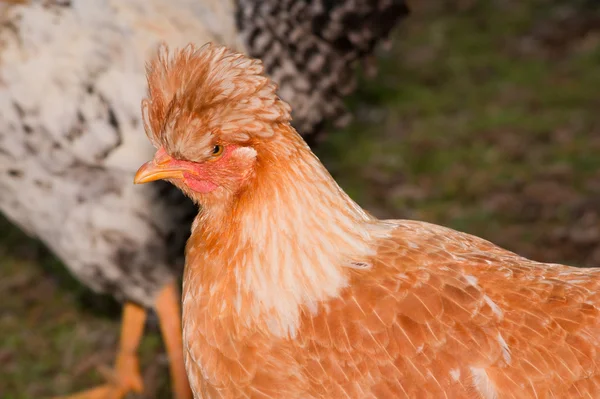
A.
x: 126, y: 375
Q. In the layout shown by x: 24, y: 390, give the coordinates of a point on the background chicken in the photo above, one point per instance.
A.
x: 291, y: 290
x: 71, y: 77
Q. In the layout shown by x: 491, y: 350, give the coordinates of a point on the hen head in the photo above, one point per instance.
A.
x: 211, y: 113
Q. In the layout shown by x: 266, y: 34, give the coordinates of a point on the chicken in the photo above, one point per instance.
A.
x: 71, y: 78
x: 291, y: 290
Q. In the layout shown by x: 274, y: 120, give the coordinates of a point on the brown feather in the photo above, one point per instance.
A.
x: 292, y: 291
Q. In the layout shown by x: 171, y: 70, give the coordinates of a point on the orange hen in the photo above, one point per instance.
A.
x: 291, y: 290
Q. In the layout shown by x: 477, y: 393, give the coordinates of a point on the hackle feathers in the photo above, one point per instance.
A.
x: 292, y: 290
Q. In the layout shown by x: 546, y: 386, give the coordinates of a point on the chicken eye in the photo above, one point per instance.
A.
x: 217, y: 150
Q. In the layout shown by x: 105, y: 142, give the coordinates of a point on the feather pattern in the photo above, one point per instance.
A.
x: 437, y: 313
x: 311, y: 47
x: 291, y: 290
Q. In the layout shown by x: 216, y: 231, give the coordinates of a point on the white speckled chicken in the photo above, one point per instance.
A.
x: 71, y: 80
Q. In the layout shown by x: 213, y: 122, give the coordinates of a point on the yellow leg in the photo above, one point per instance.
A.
x: 126, y: 376
x: 169, y: 313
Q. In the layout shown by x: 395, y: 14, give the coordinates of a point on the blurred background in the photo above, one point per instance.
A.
x: 484, y: 117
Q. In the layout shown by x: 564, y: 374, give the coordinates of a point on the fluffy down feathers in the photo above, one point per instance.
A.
x: 291, y: 290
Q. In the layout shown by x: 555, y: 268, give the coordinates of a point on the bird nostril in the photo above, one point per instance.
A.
x: 162, y: 161
x: 161, y: 158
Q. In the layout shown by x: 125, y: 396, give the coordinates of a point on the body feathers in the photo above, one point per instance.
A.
x: 291, y: 290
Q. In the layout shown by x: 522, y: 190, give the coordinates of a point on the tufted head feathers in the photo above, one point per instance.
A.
x: 214, y: 119
x: 201, y: 95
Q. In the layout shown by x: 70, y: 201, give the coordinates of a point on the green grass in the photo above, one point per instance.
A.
x: 54, y: 333
x: 483, y: 123
x: 483, y: 117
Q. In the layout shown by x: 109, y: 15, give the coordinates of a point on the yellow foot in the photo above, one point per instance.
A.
x: 124, y: 379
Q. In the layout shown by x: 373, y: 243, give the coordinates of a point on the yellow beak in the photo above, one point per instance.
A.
x: 150, y: 171
x: 161, y: 167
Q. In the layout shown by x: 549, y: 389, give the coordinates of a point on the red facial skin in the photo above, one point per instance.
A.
x: 200, y: 186
x: 201, y: 177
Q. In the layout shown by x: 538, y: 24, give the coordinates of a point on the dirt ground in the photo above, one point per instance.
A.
x: 483, y: 117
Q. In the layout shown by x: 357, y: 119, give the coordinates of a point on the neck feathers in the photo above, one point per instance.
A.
x: 289, y: 239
